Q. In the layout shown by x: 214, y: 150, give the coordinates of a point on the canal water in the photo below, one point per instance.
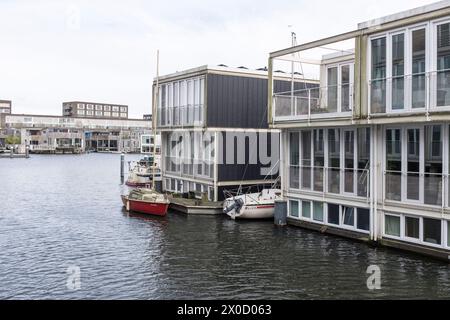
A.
x: 61, y: 218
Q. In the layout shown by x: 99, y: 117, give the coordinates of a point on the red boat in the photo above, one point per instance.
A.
x: 146, y: 201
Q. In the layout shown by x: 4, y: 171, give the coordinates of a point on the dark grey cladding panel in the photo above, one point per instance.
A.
x: 241, y: 102
x: 236, y: 102
x: 264, y: 156
x: 251, y: 188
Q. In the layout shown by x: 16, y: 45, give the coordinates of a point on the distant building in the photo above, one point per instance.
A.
x: 5, y: 106
x: 81, y: 109
x: 148, y: 117
x: 148, y: 144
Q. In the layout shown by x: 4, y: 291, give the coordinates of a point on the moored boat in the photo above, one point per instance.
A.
x: 142, y: 173
x: 146, y: 201
x: 260, y: 205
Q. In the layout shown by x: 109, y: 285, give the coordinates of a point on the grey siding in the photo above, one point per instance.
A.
x: 232, y: 171
x: 240, y: 102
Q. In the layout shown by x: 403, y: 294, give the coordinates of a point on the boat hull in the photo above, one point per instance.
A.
x: 260, y: 211
x: 146, y: 207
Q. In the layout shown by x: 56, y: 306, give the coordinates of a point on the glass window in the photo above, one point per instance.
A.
x: 334, y: 160
x: 294, y: 159
x: 392, y: 225
x: 306, y: 159
x: 378, y: 83
x: 363, y: 219
x: 448, y: 233
x: 413, y: 178
x: 393, y: 164
x: 418, y: 68
x: 432, y: 231
x: 345, y: 88
x: 433, y: 165
x: 333, y: 214
x: 319, y: 159
x: 443, y: 65
x: 318, y: 211
x: 306, y: 209
x: 349, y: 158
x: 398, y: 71
x: 348, y: 215
x: 294, y: 208
x: 412, y: 227
x: 332, y: 89
x: 363, y: 138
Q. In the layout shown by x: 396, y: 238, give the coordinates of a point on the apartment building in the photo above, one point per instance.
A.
x: 213, y: 126
x: 82, y: 109
x: 5, y: 106
x: 366, y: 154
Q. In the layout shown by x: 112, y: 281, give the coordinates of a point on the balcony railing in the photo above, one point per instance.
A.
x: 414, y: 187
x: 420, y: 92
x: 190, y: 115
x: 349, y: 181
x: 331, y: 101
x: 190, y: 167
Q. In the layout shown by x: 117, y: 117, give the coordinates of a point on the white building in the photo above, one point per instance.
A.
x: 366, y: 155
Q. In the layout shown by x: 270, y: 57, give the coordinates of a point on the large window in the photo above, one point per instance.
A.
x: 418, y: 76
x: 393, y: 164
x: 306, y: 160
x: 392, y: 225
x: 332, y: 89
x: 412, y: 227
x: 306, y: 209
x: 334, y: 160
x: 433, y: 165
x: 378, y: 76
x: 318, y: 211
x: 319, y: 159
x: 294, y: 173
x: 432, y: 231
x: 294, y: 208
x: 333, y: 213
x: 346, y: 100
x: 398, y: 71
x: 443, y: 65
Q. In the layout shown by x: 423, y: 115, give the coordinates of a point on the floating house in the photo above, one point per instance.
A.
x: 214, y: 130
x: 366, y: 154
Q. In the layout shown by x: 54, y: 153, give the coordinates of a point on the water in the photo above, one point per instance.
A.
x: 58, y: 212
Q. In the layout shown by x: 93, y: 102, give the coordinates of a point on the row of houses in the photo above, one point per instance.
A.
x: 361, y: 120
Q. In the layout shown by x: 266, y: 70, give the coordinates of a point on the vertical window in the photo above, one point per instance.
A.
x: 393, y: 164
x: 433, y: 165
x: 443, y: 65
x: 363, y: 138
x: 378, y: 76
x: 294, y: 208
x: 348, y: 216
x: 398, y: 71
x: 306, y: 209
x: 345, y: 88
x: 418, y: 68
x: 332, y: 89
x: 319, y: 159
x: 413, y: 154
x: 363, y: 219
x: 306, y: 159
x: 392, y: 225
x: 349, y: 161
x: 412, y: 227
x: 448, y: 233
x: 294, y: 160
x: 432, y: 231
x: 318, y: 211
x: 333, y: 214
x: 334, y: 160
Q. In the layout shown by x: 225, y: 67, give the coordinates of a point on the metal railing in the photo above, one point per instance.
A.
x: 420, y: 187
x: 179, y: 116
x: 419, y: 92
x: 348, y: 181
x: 190, y: 167
x: 332, y: 101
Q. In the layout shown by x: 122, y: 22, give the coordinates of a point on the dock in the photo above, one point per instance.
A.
x: 196, y: 206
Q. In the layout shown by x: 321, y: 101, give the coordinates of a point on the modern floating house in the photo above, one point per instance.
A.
x: 366, y: 154
x: 214, y: 130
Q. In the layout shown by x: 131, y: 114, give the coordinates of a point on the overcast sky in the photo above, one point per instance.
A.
x: 55, y: 50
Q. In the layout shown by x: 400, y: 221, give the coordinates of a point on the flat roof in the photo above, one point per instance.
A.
x: 405, y: 14
x: 102, y: 103
x: 75, y: 118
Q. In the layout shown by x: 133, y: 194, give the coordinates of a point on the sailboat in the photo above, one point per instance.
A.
x: 144, y: 200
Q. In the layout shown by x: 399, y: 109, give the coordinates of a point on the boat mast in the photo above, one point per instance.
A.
x: 154, y: 118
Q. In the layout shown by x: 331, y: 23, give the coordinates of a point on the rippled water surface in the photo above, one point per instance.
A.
x: 63, y: 211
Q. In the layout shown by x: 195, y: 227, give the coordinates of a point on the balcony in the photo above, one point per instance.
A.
x: 185, y: 116
x: 190, y: 167
x: 314, y: 103
x: 326, y: 181
x: 420, y: 93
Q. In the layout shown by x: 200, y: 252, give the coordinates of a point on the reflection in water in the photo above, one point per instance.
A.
x: 63, y: 211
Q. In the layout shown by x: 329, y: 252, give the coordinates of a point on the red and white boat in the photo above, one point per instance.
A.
x: 146, y: 201
x: 142, y: 173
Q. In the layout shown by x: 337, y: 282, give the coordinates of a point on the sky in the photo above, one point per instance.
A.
x: 105, y: 50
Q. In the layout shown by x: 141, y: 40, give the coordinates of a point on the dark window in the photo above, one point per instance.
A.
x: 333, y: 213
x: 363, y: 219
x: 412, y: 227
x: 432, y: 230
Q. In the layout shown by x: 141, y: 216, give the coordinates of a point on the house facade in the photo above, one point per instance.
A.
x: 214, y: 131
x: 366, y: 155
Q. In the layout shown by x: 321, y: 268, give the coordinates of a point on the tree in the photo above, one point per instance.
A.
x: 12, y: 140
